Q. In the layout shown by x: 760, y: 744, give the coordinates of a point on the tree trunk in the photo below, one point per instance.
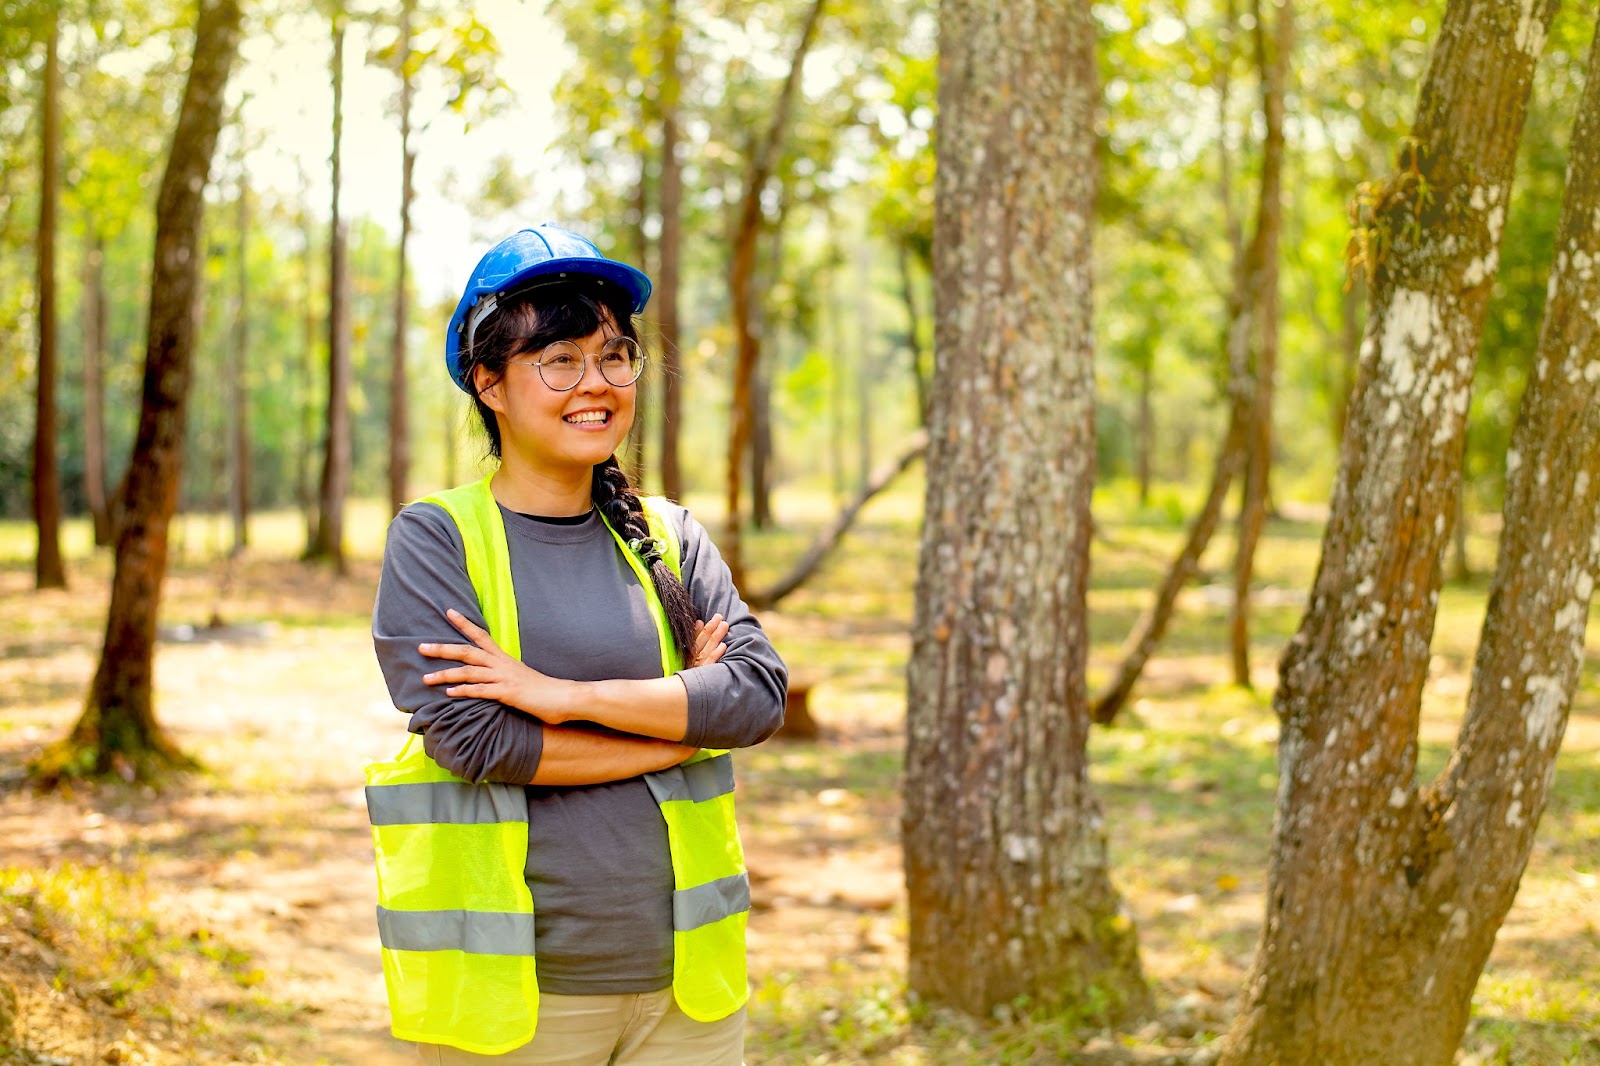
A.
x: 761, y: 450
x: 632, y: 458
x: 399, y: 415
x: 48, y: 573
x: 1273, y: 62
x: 866, y: 368
x: 308, y: 375
x: 741, y: 272
x: 238, y: 375
x: 329, y: 543
x: 1147, y: 430
x: 763, y: 461
x: 94, y: 407
x: 908, y: 296
x: 1006, y: 869
x: 118, y: 730
x: 1249, y: 280
x: 669, y: 249
x: 1383, y: 901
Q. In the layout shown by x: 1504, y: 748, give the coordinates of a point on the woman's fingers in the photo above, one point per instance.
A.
x: 471, y: 630
x: 458, y: 675
x: 461, y: 653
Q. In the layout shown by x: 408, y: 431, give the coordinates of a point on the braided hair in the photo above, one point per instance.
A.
x: 541, y: 316
x: 615, y: 497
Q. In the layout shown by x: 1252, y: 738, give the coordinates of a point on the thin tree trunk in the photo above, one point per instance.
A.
x: 329, y: 543
x: 94, y: 408
x: 833, y: 309
x: 762, y: 458
x: 669, y: 249
x: 1273, y: 62
x: 632, y: 458
x: 1006, y: 870
x: 1146, y: 425
x: 1460, y: 565
x: 49, y: 572
x: 908, y: 297
x: 399, y: 413
x: 1381, y: 903
x: 1249, y: 277
x: 238, y: 372
x: 763, y: 160
x: 308, y: 374
x: 866, y: 368
x: 118, y: 730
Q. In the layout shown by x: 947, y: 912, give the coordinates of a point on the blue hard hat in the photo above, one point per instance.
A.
x: 544, y: 252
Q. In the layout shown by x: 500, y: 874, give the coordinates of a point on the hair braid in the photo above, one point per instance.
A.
x: 621, y: 506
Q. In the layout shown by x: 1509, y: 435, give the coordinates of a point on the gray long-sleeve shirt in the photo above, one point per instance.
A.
x: 598, y: 863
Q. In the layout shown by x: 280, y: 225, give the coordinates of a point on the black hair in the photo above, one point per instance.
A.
x: 531, y: 319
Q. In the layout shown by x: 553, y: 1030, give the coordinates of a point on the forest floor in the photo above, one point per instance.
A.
x: 227, y: 918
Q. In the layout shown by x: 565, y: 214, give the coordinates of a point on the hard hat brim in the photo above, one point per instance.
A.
x: 550, y: 272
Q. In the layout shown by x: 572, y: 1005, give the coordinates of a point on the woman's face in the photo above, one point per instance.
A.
x: 553, y: 431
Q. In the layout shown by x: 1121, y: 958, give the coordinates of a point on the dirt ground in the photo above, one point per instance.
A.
x: 269, y: 852
x: 233, y: 910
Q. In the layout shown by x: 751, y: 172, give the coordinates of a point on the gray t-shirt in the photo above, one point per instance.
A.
x: 598, y: 864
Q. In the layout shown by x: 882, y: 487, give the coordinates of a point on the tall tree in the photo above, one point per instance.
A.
x: 1253, y: 265
x: 94, y: 421
x: 760, y: 162
x: 49, y: 573
x: 399, y: 429
x: 238, y: 367
x: 669, y: 252
x: 1272, y: 59
x: 1005, y: 852
x: 1385, y: 895
x: 329, y: 541
x: 118, y: 730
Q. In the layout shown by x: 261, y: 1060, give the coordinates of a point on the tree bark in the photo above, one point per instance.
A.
x: 118, y: 730
x: 329, y: 542
x: 308, y: 374
x: 670, y: 249
x: 399, y: 414
x: 94, y: 408
x: 741, y: 272
x: 1006, y: 869
x: 1383, y: 900
x: 48, y: 571
x: 1273, y: 62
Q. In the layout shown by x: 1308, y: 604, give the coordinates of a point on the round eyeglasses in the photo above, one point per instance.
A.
x: 561, y: 364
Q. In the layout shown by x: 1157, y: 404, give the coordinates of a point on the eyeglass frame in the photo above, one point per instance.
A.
x: 625, y: 341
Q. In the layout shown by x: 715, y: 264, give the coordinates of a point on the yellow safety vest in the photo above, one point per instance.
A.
x: 455, y: 917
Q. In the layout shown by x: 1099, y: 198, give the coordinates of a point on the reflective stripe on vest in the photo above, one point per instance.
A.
x: 455, y: 917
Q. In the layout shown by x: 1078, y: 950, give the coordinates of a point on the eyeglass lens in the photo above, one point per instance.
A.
x: 563, y: 363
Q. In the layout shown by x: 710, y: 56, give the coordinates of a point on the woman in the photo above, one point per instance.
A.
x: 560, y: 878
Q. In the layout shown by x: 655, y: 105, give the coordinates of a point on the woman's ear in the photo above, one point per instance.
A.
x: 487, y: 385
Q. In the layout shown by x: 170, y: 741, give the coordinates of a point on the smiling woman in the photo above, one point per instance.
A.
x: 577, y: 661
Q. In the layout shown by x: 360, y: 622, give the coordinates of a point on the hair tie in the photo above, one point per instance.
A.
x: 648, y: 549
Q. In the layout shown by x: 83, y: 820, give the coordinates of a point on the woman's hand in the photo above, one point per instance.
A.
x: 708, y: 641
x: 488, y: 673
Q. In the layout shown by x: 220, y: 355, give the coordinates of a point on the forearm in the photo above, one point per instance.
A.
x: 656, y: 707
x: 584, y: 757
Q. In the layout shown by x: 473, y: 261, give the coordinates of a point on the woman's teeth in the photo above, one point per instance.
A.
x: 588, y: 417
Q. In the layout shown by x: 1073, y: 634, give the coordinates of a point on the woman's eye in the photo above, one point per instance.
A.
x: 613, y: 360
x: 561, y: 361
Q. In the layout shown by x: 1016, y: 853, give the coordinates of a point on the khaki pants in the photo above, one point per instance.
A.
x: 636, y: 1030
